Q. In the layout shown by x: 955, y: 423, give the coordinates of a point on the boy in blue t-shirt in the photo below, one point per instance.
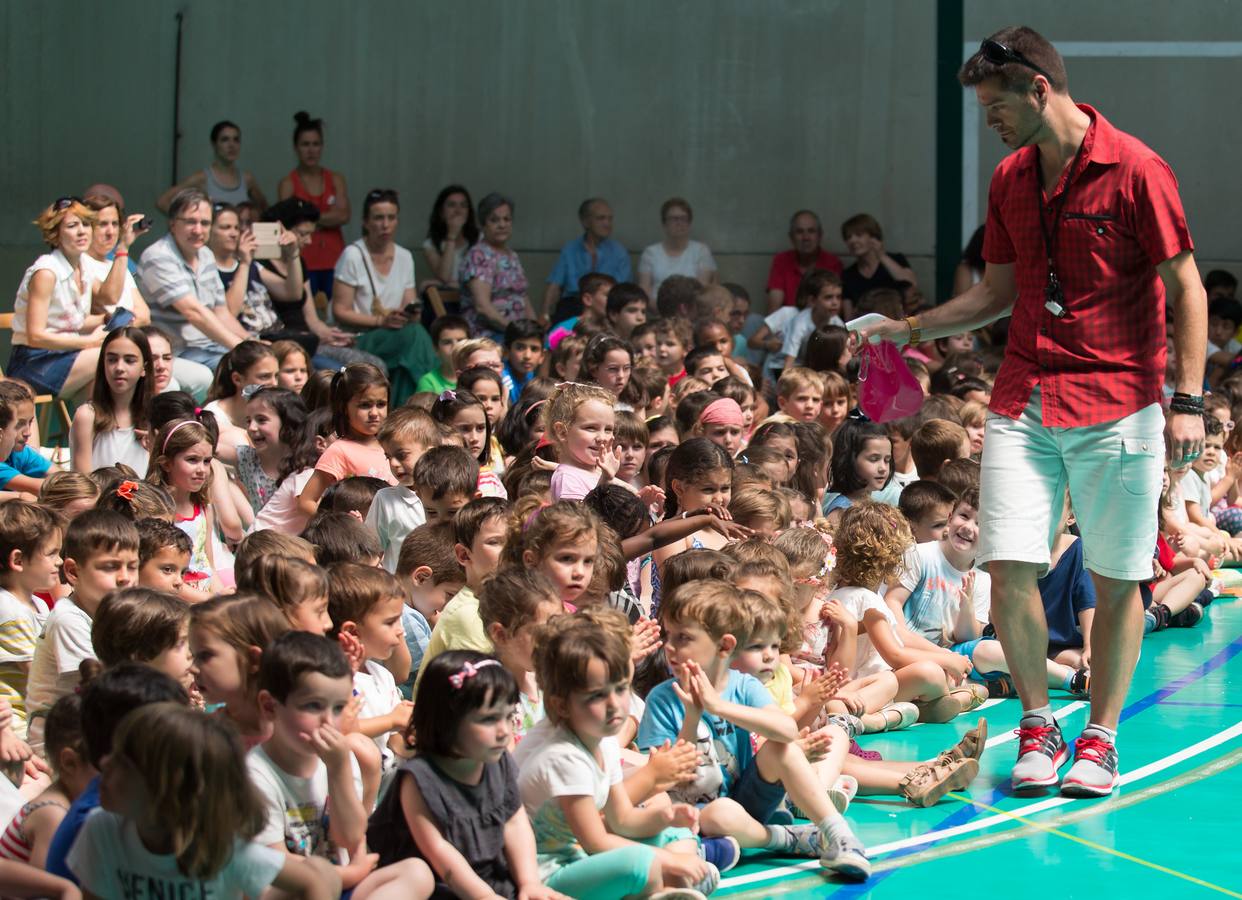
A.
x: 523, y: 355
x: 23, y: 468
x: 717, y: 708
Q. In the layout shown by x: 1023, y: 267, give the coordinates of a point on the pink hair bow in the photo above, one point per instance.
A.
x: 468, y: 671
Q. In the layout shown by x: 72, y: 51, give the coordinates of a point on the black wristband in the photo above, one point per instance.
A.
x: 1184, y: 407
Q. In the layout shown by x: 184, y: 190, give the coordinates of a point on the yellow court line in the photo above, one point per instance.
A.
x: 1094, y: 846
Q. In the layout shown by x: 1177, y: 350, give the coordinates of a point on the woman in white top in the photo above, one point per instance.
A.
x: 374, y: 279
x: 676, y: 254
x: 56, y: 337
x: 111, y: 427
x: 450, y: 233
x: 222, y: 180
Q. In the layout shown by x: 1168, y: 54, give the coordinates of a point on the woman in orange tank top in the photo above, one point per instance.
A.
x: 328, y: 192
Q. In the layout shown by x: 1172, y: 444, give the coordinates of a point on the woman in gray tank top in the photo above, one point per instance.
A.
x: 222, y: 180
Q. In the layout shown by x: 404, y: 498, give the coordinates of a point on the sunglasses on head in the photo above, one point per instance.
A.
x: 65, y: 203
x: 999, y: 54
x: 382, y: 194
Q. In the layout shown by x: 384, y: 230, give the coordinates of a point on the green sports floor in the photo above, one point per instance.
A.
x: 1171, y: 830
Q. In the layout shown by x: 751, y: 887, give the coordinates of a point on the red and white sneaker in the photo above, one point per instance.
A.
x: 1094, y: 773
x: 1041, y: 753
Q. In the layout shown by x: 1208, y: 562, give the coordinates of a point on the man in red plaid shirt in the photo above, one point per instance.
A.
x: 1085, y: 244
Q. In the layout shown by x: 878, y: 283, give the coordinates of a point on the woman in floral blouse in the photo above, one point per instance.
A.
x: 492, y: 279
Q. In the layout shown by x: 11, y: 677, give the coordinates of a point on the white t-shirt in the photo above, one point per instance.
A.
x: 553, y: 763
x: 64, y: 644
x: 799, y: 330
x: 656, y: 262
x: 1196, y: 490
x: 377, y: 691
x: 297, y: 808
x: 778, y: 324
x: 95, y: 271
x: 395, y: 512
x: 857, y: 601
x: 934, y: 583
x: 356, y: 269
x: 109, y: 860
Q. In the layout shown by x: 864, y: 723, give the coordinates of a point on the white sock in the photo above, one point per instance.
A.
x: 1110, y: 733
x: 1044, y: 712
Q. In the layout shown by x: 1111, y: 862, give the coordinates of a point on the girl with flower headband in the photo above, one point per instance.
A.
x: 359, y: 408
x: 109, y: 429
x: 455, y: 803
x: 181, y: 457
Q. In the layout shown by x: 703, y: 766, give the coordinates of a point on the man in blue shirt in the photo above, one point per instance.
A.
x: 595, y: 251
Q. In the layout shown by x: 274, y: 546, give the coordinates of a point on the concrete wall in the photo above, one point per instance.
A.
x: 748, y: 109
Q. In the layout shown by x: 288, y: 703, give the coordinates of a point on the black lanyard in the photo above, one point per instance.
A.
x: 1054, y: 297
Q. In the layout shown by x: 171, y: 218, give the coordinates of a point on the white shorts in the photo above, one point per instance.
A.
x: 1113, y: 472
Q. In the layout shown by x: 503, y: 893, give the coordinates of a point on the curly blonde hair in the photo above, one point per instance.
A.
x: 870, y: 542
x: 562, y: 406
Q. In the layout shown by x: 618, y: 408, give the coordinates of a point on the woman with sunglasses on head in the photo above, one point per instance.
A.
x: 330, y: 195
x: 223, y: 181
x: 56, y: 337
x: 373, y: 293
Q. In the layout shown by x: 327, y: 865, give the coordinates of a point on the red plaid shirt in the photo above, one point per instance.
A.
x: 1122, y: 217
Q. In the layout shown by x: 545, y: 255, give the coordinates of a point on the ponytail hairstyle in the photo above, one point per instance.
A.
x: 347, y: 383
x: 238, y: 361
x: 172, y: 406
x: 520, y: 425
x: 317, y: 392
x: 450, y: 403
x: 306, y: 447
x: 101, y: 396
x: 690, y: 461
x: 537, y: 526
x: 136, y: 499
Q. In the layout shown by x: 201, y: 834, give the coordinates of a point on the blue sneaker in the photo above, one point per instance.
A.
x: 721, y: 852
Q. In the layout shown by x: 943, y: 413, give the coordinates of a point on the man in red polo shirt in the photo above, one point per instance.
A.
x: 1086, y: 242
x: 806, y: 234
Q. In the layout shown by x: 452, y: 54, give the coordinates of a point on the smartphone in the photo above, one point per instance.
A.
x: 144, y: 224
x: 119, y: 319
x: 267, y: 236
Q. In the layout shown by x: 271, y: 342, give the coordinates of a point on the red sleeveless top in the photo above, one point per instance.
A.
x: 326, y: 244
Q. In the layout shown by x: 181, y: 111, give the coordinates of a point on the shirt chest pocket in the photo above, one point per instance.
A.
x: 1102, y: 237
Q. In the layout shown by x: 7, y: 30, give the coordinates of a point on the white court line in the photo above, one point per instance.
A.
x: 1000, y: 739
x: 1030, y: 809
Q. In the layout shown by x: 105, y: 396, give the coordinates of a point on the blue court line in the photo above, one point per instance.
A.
x: 966, y: 813
x: 1201, y: 704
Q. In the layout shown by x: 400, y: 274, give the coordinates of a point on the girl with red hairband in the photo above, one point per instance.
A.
x: 722, y: 423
